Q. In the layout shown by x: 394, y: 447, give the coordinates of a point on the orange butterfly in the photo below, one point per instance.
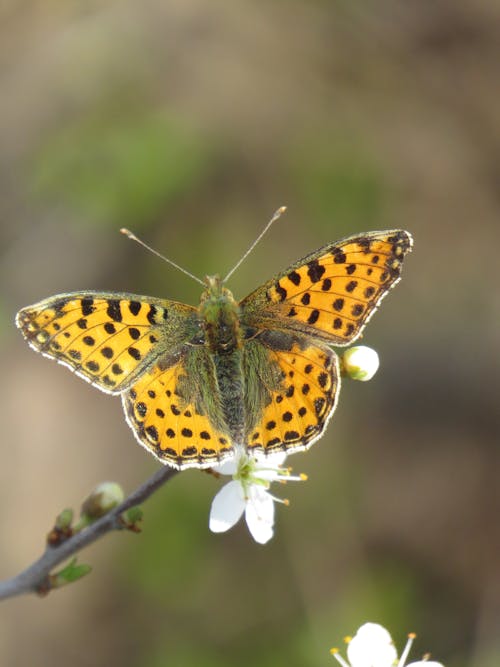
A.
x: 257, y: 375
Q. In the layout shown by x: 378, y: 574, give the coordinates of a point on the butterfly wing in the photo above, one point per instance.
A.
x: 149, y: 350
x: 108, y: 339
x: 291, y: 391
x: 332, y: 293
x: 175, y: 411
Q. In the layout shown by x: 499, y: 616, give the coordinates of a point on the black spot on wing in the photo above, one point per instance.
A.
x: 326, y: 285
x: 152, y: 314
x: 338, y: 304
x: 315, y: 270
x: 339, y: 257
x: 114, y: 310
x: 351, y: 286
x: 87, y: 306
x: 281, y: 291
x: 313, y: 317
x: 134, y: 353
x: 134, y: 307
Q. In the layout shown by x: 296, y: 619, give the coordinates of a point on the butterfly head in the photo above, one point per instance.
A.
x: 220, y: 314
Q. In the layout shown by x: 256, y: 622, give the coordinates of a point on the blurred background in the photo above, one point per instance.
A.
x: 190, y: 122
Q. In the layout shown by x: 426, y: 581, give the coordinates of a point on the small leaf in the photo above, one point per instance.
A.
x: 131, y: 518
x: 134, y: 514
x: 69, y: 574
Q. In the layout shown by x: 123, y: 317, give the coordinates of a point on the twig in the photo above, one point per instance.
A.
x: 35, y: 578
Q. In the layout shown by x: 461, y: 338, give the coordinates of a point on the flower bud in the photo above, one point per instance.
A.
x: 360, y: 363
x: 64, y: 519
x: 102, y: 500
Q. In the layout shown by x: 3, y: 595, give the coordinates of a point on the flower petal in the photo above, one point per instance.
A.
x: 273, y: 460
x: 227, y: 468
x: 227, y: 507
x: 259, y: 514
x: 371, y: 647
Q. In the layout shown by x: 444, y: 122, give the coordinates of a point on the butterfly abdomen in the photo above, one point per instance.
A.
x: 230, y: 381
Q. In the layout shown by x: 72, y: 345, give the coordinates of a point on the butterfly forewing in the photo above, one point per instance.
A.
x: 105, y: 338
x: 332, y: 293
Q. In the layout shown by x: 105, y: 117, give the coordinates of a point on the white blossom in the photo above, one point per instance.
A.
x: 372, y: 646
x: 248, y: 493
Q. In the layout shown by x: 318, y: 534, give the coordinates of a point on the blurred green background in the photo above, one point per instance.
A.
x: 191, y: 122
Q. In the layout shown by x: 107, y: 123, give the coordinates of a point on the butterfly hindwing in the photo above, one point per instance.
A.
x: 331, y: 293
x: 298, y: 405
x: 179, y: 420
x: 105, y: 338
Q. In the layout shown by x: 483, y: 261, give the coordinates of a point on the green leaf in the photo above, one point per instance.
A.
x: 133, y: 515
x: 69, y: 574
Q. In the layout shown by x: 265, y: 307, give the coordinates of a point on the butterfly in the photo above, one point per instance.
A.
x: 258, y: 375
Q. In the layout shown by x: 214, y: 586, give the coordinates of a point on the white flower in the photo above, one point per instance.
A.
x: 360, y: 362
x: 248, y: 493
x: 372, y: 646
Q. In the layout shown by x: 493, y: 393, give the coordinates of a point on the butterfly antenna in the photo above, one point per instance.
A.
x: 275, y: 217
x: 133, y: 237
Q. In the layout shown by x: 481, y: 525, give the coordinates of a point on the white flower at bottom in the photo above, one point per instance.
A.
x: 372, y: 646
x: 248, y: 493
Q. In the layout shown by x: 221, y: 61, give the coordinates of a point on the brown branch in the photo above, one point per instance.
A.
x: 36, y: 577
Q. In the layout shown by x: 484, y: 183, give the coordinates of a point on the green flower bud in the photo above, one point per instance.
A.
x: 105, y: 497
